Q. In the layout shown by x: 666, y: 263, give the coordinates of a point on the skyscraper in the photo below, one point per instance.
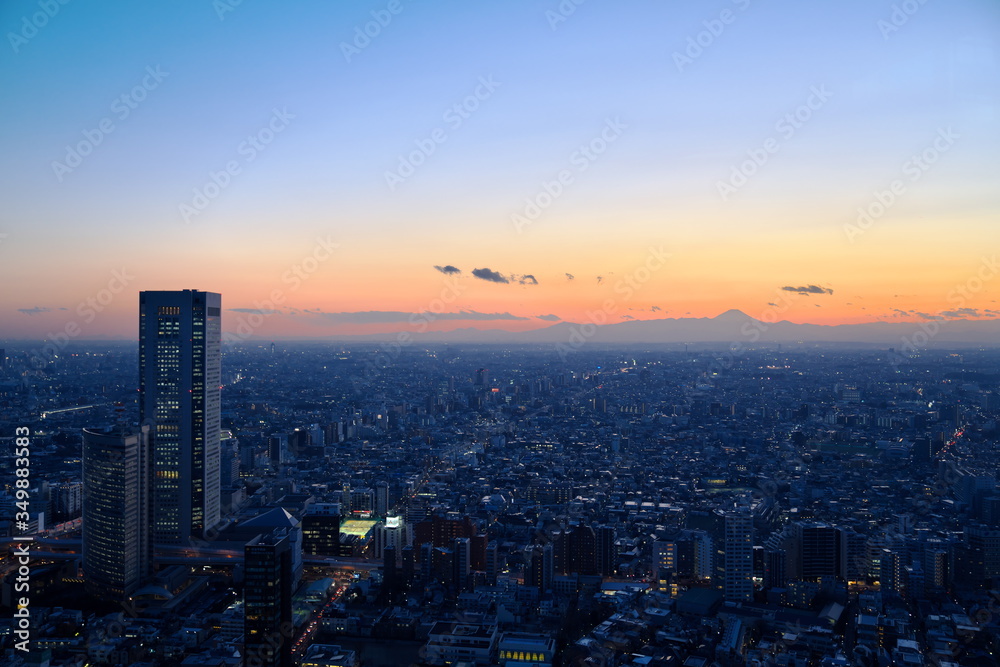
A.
x: 179, y: 382
x: 116, y: 546
x: 267, y: 600
x: 820, y: 550
x: 738, y: 584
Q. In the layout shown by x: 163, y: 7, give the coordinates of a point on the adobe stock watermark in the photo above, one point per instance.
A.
x: 900, y: 16
x: 562, y: 12
x: 122, y: 107
x: 786, y: 127
x: 455, y: 116
x: 703, y: 39
x: 87, y: 311
x: 248, y: 150
x: 21, y: 622
x: 223, y: 7
x: 958, y: 297
x: 300, y: 271
x: 625, y: 288
x: 30, y: 25
x: 579, y: 161
x: 363, y: 35
x: 913, y: 169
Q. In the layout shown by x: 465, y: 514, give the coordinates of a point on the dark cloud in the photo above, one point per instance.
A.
x: 570, y: 276
x: 395, y: 316
x: 490, y: 275
x: 961, y: 313
x: 655, y: 309
x: 627, y: 317
x: 808, y: 289
x: 527, y: 279
x: 448, y: 269
x: 771, y: 303
x: 549, y: 318
x: 599, y: 279
x: 928, y: 316
x: 37, y: 310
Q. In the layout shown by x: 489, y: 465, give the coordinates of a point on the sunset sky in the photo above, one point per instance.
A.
x: 681, y: 159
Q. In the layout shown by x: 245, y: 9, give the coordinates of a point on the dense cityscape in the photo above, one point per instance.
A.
x: 365, y: 504
x: 551, y: 333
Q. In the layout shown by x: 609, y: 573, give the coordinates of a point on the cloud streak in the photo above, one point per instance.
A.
x: 807, y: 289
x: 396, y: 316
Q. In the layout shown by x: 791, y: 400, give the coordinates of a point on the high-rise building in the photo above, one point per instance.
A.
x: 117, y: 555
x: 664, y: 563
x: 267, y: 600
x: 65, y: 501
x: 606, y: 551
x: 492, y: 563
x: 393, y: 532
x: 382, y: 499
x: 820, y: 550
x: 540, y: 570
x: 854, y: 564
x: 179, y: 394
x: 462, y: 554
x: 321, y: 530
x: 576, y: 550
x: 775, y: 568
x: 738, y: 583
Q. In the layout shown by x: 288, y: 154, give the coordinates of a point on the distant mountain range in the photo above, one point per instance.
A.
x: 732, y: 326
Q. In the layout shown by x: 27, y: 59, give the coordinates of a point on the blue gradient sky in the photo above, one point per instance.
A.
x: 656, y: 185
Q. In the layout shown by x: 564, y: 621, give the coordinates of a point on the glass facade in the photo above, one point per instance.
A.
x: 180, y: 376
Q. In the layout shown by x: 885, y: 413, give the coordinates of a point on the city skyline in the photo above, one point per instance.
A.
x: 531, y: 164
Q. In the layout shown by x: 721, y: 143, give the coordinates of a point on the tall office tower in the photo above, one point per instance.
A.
x: 321, y: 530
x: 267, y: 600
x: 409, y: 565
x: 606, y: 551
x: 738, y: 584
x: 463, y: 553
x: 775, y: 569
x: 275, y: 445
x: 179, y: 381
x: 820, y: 550
x: 576, y: 550
x: 389, y: 569
x: 117, y: 555
x: 382, y: 499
